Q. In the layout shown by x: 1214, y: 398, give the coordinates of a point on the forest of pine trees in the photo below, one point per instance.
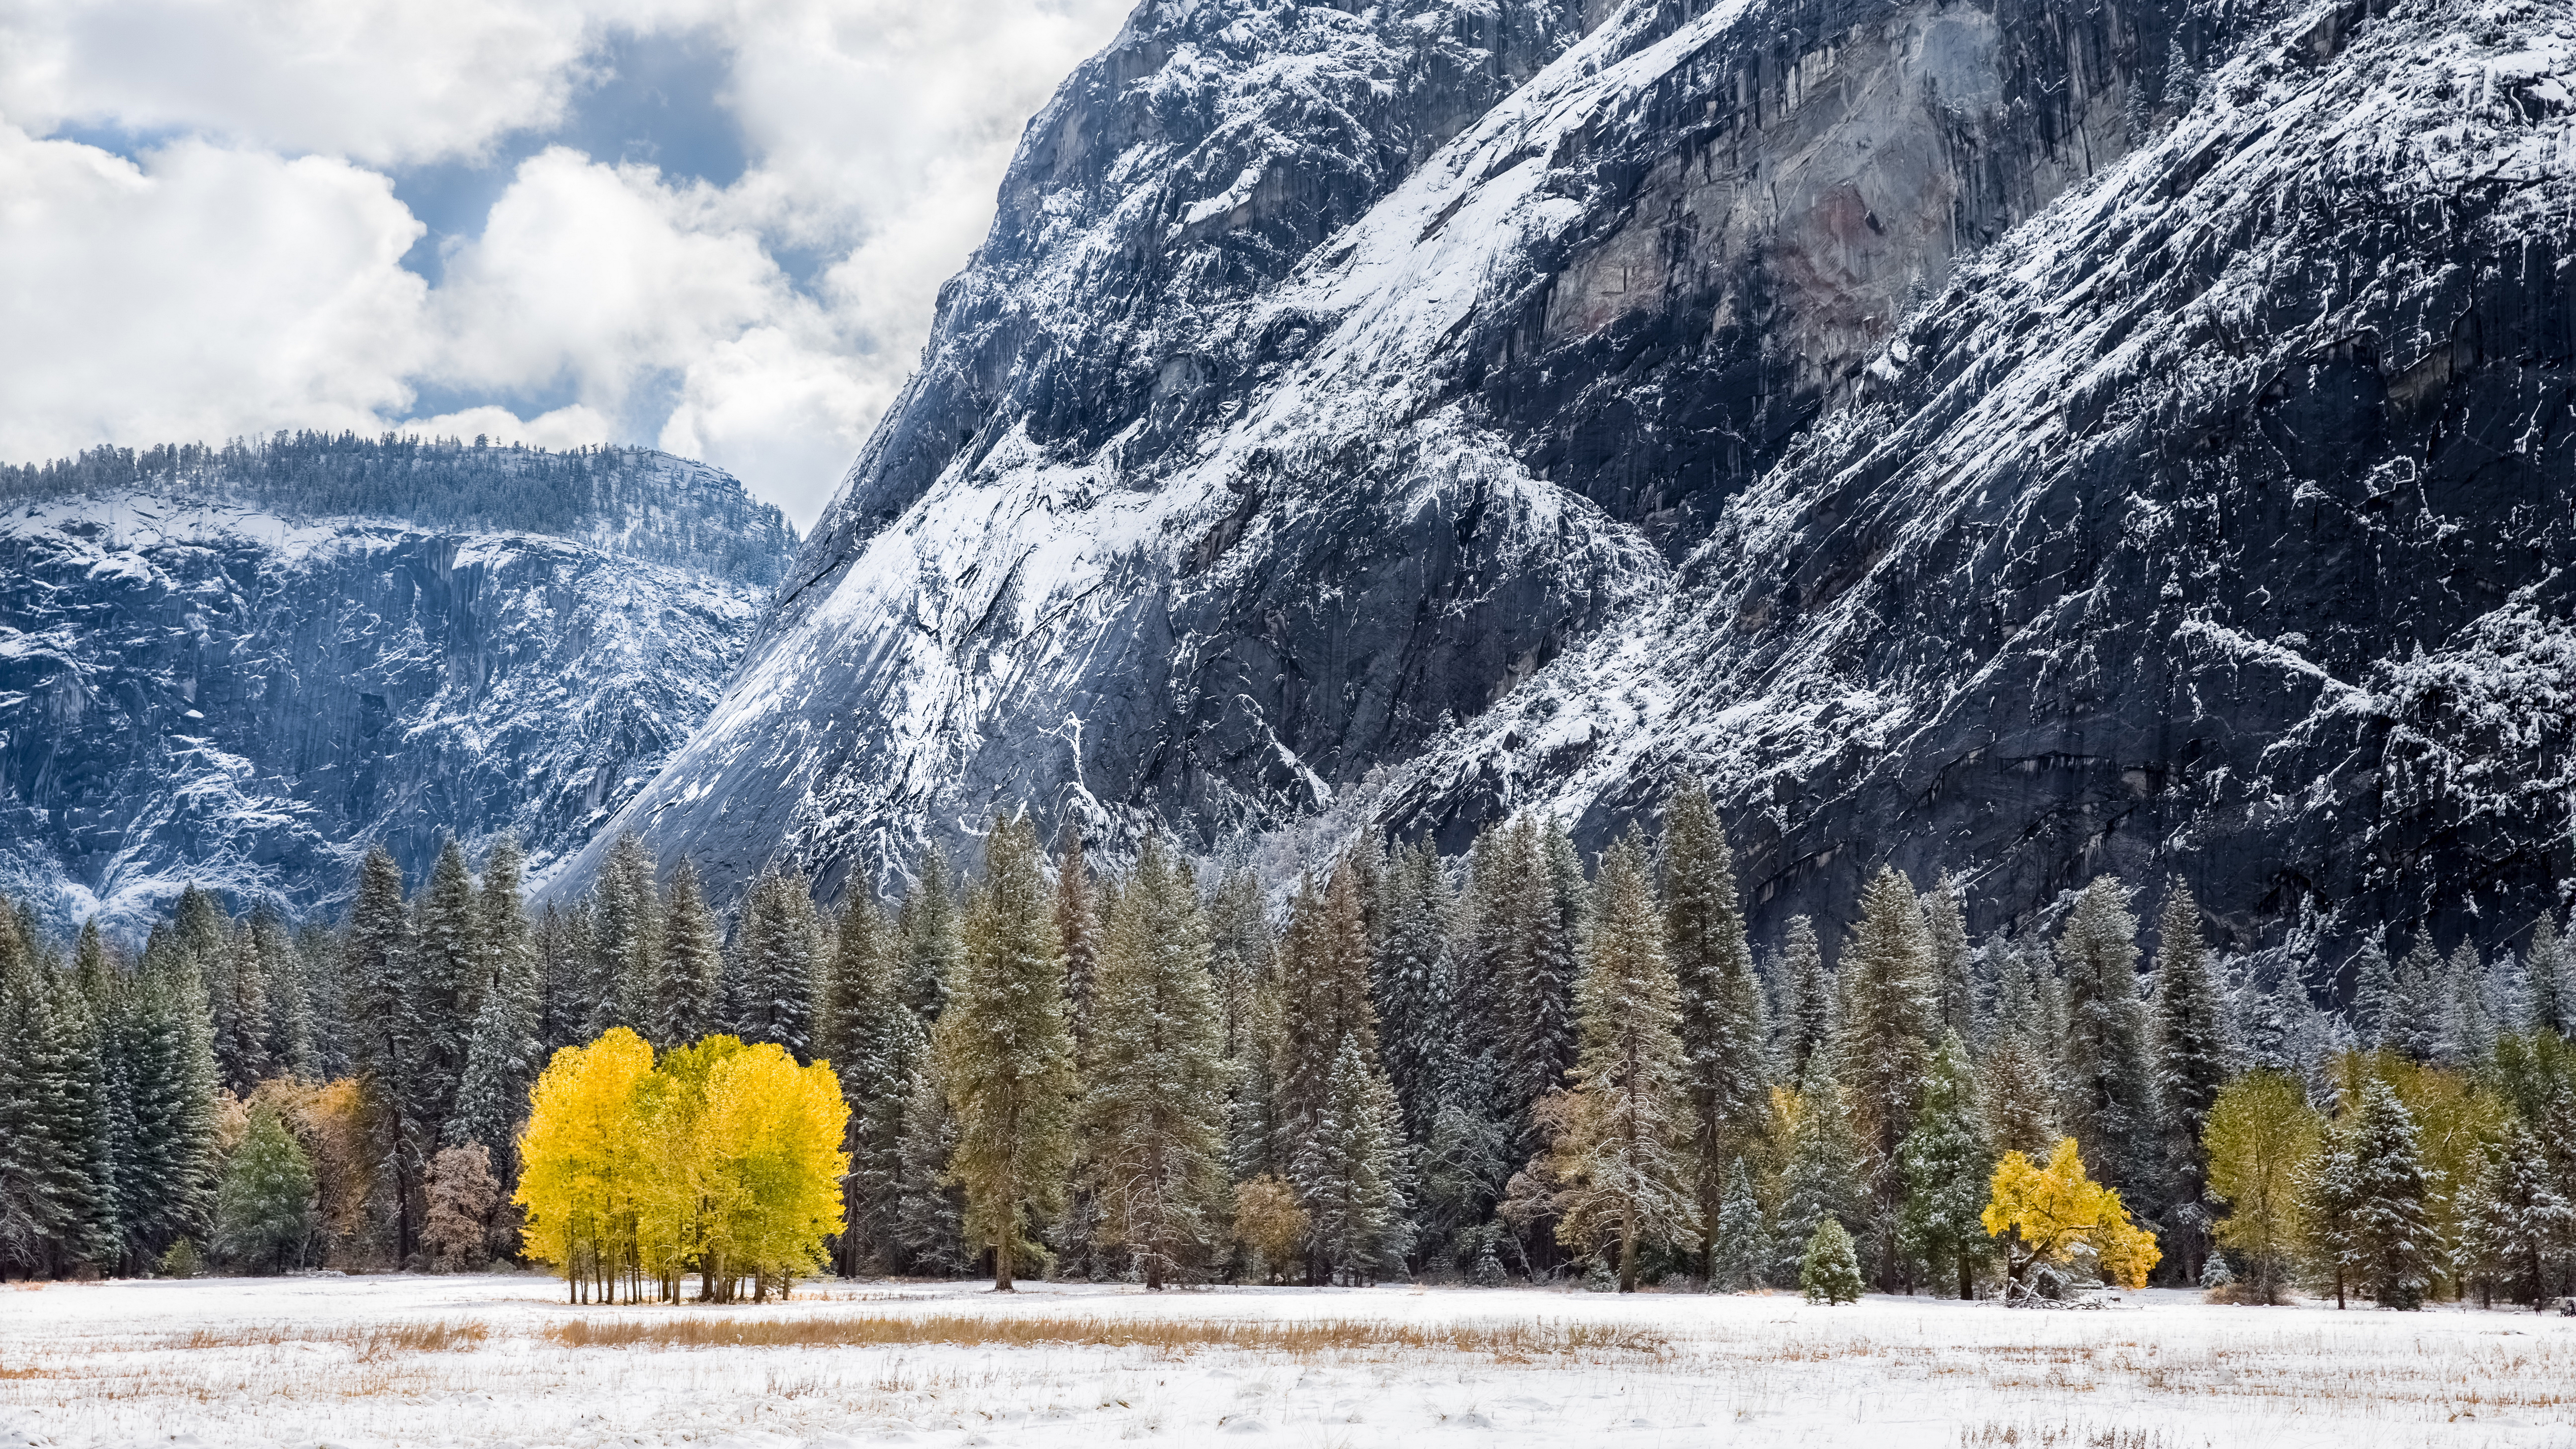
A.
x: 1512, y: 1065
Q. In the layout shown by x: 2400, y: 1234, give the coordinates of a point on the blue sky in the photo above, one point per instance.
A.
x: 715, y: 226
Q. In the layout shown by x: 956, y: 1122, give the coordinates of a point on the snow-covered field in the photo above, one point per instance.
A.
x: 315, y: 1360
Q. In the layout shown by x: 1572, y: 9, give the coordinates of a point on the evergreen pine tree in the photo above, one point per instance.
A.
x: 294, y: 1027
x: 1620, y: 1137
x: 1324, y: 998
x: 45, y: 1183
x: 930, y: 933
x: 1948, y: 1163
x: 168, y: 1166
x: 627, y: 930
x: 2517, y: 1222
x: 237, y: 982
x: 1544, y: 962
x: 1411, y: 980
x: 2551, y: 978
x: 1345, y: 1170
x: 440, y: 992
x: 1810, y: 1024
x: 2329, y: 1197
x: 1823, y: 1178
x: 1829, y: 1271
x: 2469, y: 1022
x: 95, y: 991
x: 775, y: 948
x: 692, y: 984
x: 2412, y: 1021
x: 2191, y: 1068
x: 2390, y: 1227
x: 1154, y: 1078
x: 1884, y: 1050
x: 1078, y: 925
x: 1744, y: 1247
x: 1945, y: 930
x: 1721, y: 1022
x: 375, y: 969
x: 1004, y: 1054
x: 2375, y: 1000
x: 1248, y: 1001
x: 564, y: 953
x: 930, y: 1214
x: 2106, y: 1079
x: 264, y: 1207
x: 876, y: 1046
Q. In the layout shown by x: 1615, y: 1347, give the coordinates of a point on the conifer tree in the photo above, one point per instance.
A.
x: 563, y: 967
x: 1884, y: 1049
x: 775, y: 949
x: 1410, y: 981
x: 1619, y: 1137
x: 2375, y: 1000
x: 1544, y: 963
x: 691, y: 1003
x: 238, y: 991
x: 1465, y: 1160
x: 1154, y: 1078
x: 294, y: 1033
x: 1005, y: 1055
x: 1079, y: 922
x: 1945, y: 934
x: 1324, y: 997
x: 1823, y: 1178
x: 2469, y: 1022
x: 1345, y: 1170
x: 2517, y: 1222
x: 1720, y: 1003
x: 439, y: 982
x: 930, y: 932
x: 45, y: 1183
x: 1809, y: 1024
x: 625, y: 977
x: 2105, y: 1078
x: 876, y: 1045
x: 2411, y: 1023
x: 375, y: 966
x: 1829, y: 1271
x: 2329, y: 1198
x: 92, y: 998
x: 1248, y: 998
x: 2191, y: 1068
x: 264, y: 1207
x: 2551, y: 977
x: 1744, y: 1248
x: 1948, y: 1163
x: 2390, y: 1229
x: 168, y: 1166
x: 930, y: 1211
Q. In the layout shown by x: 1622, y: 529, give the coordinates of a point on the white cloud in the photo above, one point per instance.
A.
x: 204, y: 293
x: 246, y: 275
x: 567, y: 427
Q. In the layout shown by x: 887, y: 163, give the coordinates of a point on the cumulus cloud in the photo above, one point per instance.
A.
x: 243, y: 268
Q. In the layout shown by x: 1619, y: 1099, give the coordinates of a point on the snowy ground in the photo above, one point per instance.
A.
x: 291, y: 1361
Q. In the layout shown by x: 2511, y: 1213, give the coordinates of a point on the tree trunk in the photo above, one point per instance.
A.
x: 1002, y: 1268
x: 1967, y: 1279
x: 1628, y: 1253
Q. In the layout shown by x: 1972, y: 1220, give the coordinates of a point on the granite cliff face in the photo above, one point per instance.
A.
x: 2018, y: 437
x: 197, y: 682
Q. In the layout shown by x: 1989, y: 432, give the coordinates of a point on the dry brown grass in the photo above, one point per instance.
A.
x: 1504, y: 1342
x: 373, y: 1341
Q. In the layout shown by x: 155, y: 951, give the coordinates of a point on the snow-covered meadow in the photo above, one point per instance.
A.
x: 483, y: 1361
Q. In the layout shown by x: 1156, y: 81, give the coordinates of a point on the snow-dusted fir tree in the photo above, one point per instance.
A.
x: 441, y: 984
x: 1247, y: 983
x: 2191, y: 1068
x: 2516, y: 1221
x: 45, y: 1180
x: 1410, y: 981
x: 2375, y: 1001
x: 294, y: 1032
x: 1464, y: 1161
x: 627, y: 940
x: 2469, y: 1020
x: 565, y: 951
x: 1953, y: 962
x: 1542, y: 1015
x: 929, y: 1208
x: 1154, y: 1079
x: 1079, y: 921
x: 2551, y: 977
x: 1324, y: 999
x: 1807, y: 1021
x: 691, y: 990
x: 2391, y: 1231
x: 1345, y: 1171
x: 1744, y: 1248
x: 875, y: 1045
x: 2104, y: 1074
x: 1004, y: 1054
x: 237, y: 987
x: 776, y: 945
x: 1619, y: 1148
x: 2412, y: 1023
x: 1948, y: 1162
x: 929, y: 925
x: 503, y: 1053
x: 1829, y: 1268
x: 95, y: 992
x: 1885, y: 1049
x: 1725, y: 1071
x: 1823, y: 1176
x: 169, y: 1166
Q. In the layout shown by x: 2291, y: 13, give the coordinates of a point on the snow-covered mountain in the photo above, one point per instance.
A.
x: 203, y: 678
x: 2028, y: 438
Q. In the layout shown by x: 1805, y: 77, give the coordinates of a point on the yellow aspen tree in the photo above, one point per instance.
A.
x: 772, y: 1132
x: 580, y: 1170
x: 2053, y: 1213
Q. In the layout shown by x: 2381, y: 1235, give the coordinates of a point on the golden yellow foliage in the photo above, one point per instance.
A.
x: 2054, y: 1212
x: 725, y: 1159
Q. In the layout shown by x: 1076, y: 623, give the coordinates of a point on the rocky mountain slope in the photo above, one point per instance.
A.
x: 209, y: 674
x: 2026, y: 438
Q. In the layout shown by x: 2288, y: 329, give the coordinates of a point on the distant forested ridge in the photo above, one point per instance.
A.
x: 633, y: 501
